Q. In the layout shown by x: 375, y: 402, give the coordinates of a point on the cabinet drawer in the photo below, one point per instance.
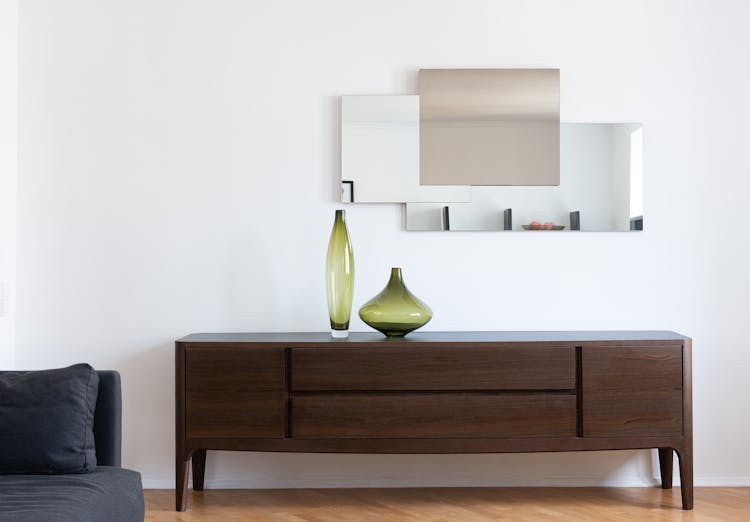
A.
x: 632, y: 391
x: 419, y: 368
x: 450, y: 415
x: 234, y: 392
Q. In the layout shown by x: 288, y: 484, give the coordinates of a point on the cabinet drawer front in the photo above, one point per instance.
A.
x: 454, y: 415
x: 517, y: 367
x: 632, y: 391
x: 235, y: 392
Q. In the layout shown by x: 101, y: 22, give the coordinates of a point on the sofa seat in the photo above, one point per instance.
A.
x: 108, y: 494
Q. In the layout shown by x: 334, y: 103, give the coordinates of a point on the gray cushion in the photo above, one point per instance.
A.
x: 47, y: 420
x: 108, y: 419
x: 107, y: 494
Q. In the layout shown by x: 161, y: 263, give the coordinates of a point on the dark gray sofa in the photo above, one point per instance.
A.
x: 110, y: 493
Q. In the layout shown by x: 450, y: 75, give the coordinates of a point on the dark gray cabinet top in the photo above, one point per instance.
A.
x: 436, y: 337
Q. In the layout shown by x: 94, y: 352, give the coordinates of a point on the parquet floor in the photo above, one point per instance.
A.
x: 451, y: 505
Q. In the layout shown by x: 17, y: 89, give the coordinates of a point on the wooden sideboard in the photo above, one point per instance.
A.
x: 432, y: 392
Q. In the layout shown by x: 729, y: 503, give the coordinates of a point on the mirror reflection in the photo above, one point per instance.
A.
x: 380, y: 153
x: 601, y: 176
x: 601, y: 189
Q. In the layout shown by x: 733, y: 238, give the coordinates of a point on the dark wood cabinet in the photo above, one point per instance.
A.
x: 235, y: 392
x: 452, y: 392
x: 433, y: 415
x: 632, y: 391
x: 439, y: 367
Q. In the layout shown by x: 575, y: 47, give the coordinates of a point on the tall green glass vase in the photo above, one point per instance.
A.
x: 395, y: 311
x: 339, y: 277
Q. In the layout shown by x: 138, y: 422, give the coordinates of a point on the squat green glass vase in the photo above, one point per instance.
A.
x: 395, y: 311
x: 339, y: 277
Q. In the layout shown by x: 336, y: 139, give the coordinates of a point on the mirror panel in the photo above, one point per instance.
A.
x: 380, y: 153
x: 601, y: 178
x: 489, y: 126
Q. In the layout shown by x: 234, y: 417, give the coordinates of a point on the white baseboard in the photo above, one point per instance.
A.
x: 722, y: 482
x: 559, y: 481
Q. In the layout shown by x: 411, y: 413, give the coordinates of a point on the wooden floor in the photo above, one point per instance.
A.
x: 451, y: 505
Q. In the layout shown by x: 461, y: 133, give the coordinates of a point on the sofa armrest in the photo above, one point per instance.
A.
x: 108, y: 419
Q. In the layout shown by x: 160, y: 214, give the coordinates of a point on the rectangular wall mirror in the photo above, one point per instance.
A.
x: 601, y: 189
x: 380, y: 153
x: 600, y: 183
x: 486, y: 127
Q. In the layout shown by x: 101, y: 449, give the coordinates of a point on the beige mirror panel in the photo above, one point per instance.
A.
x: 489, y: 127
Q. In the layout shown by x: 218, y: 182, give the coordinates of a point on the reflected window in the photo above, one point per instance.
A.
x: 636, y: 174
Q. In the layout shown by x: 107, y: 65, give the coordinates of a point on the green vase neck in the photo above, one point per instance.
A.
x: 340, y: 215
x: 396, y: 281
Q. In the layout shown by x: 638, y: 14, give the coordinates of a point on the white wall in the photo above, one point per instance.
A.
x: 179, y: 173
x: 8, y: 175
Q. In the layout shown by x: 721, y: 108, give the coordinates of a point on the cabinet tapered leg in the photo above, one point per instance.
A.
x: 685, y: 456
x: 181, y: 482
x: 199, y: 469
x: 666, y: 457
